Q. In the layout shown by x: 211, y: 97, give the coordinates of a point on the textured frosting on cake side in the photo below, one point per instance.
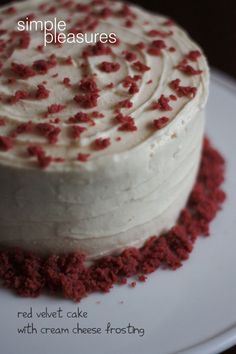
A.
x: 99, y: 143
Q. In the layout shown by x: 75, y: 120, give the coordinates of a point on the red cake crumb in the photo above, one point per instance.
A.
x: 109, y: 67
x: 82, y: 7
x: 169, y: 22
x: 128, y: 126
x: 23, y: 71
x: 105, y: 13
x: 193, y: 55
x: 42, y: 159
x: 86, y: 100
x: 162, y: 104
x: 160, y: 122
x: 35, y: 150
x: 24, y: 40
x: 83, y: 157
x: 42, y: 92
x: 97, y: 49
x: 68, y: 61
x: 50, y: 131
x: 96, y: 114
x: 130, y: 83
x: 2, y: 122
x: 80, y: 117
x: 102, y: 143
x: 77, y: 130
x: 40, y: 48
x: 187, y: 91
x: 142, y: 278
x: 126, y: 11
x: 140, y: 45
x: 19, y: 95
x: 66, y: 82
x: 10, y: 10
x: 128, y: 24
x: 55, y: 108
x: 156, y: 33
x: 6, y: 143
x: 140, y: 66
x: 156, y: 47
x: 88, y: 85
x: 133, y: 284
x: 22, y: 128
x: 129, y: 56
x: 173, y: 98
x: 110, y: 85
x: 125, y: 104
x: 188, y: 69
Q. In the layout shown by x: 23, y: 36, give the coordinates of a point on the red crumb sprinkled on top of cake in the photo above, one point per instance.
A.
x: 125, y: 104
x: 157, y: 33
x: 66, y: 82
x: 76, y: 131
x: 96, y: 114
x: 24, y: 40
x: 55, y: 108
x: 128, y: 23
x: 50, y: 131
x: 156, y: 47
x: 97, y: 49
x: 130, y: 83
x: 193, y: 55
x: 68, y: 61
x: 140, y: 45
x: 80, y: 117
x: 160, y: 122
x: 109, y: 67
x: 10, y: 10
x: 29, y: 274
x: 19, y: 95
x: 23, y: 71
x: 140, y: 66
x: 88, y: 85
x: 169, y: 22
x: 188, y: 69
x: 22, y: 128
x: 187, y: 91
x: 127, y: 123
x: 102, y: 143
x: 83, y: 157
x: 162, y: 104
x: 86, y: 101
x: 129, y: 56
x: 42, y: 92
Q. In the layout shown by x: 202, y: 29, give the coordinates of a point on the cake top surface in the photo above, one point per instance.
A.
x: 114, y: 78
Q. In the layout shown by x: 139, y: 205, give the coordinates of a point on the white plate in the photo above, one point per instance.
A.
x: 191, y: 310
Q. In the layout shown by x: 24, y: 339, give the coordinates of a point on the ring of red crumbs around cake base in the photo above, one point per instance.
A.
x: 29, y: 274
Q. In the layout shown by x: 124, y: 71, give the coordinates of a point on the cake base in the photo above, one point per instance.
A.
x: 29, y: 274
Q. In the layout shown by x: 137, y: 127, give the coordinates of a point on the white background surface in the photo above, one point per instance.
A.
x: 191, y: 310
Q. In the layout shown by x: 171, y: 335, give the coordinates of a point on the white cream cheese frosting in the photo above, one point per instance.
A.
x: 99, y: 144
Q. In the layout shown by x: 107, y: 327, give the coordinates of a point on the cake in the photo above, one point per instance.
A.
x: 100, y: 143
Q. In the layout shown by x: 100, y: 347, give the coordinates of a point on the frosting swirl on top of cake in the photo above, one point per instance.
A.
x: 72, y: 106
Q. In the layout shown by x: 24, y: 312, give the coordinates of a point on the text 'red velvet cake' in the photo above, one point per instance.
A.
x: 100, y: 141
